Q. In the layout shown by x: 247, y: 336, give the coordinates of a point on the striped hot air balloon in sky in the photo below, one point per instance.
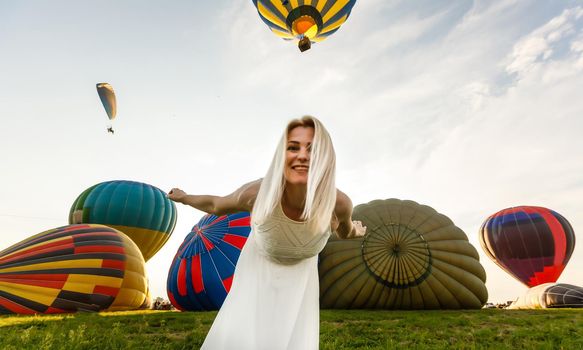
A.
x: 412, y: 257
x: 141, y: 211
x: 201, y: 273
x: 305, y: 20
x: 72, y: 268
x: 533, y: 244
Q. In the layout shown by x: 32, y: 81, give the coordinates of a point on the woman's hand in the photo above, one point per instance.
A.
x: 358, y: 230
x: 177, y: 195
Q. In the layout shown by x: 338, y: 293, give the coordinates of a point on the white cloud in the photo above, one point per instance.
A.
x: 538, y: 45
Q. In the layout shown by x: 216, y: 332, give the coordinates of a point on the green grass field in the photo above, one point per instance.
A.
x: 355, y: 329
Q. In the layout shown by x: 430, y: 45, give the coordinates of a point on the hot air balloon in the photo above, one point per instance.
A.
x: 533, y: 244
x: 201, y: 273
x: 141, y: 211
x: 550, y: 295
x: 411, y: 257
x: 72, y: 268
x: 305, y: 20
x: 107, y: 97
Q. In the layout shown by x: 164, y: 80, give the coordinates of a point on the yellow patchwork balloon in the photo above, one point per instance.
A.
x: 72, y: 268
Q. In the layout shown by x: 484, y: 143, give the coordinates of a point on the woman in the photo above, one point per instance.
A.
x: 273, y: 301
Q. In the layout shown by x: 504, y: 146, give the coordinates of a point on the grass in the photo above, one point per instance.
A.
x: 339, y: 329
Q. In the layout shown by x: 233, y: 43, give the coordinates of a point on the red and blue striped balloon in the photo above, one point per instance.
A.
x: 201, y: 273
x: 533, y: 244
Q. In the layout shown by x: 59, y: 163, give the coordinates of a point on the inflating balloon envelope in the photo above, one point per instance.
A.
x: 550, y: 295
x: 304, y: 20
x: 73, y: 268
x: 411, y: 257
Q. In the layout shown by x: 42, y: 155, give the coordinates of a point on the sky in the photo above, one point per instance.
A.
x: 469, y: 107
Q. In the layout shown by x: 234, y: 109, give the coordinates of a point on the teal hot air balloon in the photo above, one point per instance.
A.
x: 141, y: 211
x: 107, y: 96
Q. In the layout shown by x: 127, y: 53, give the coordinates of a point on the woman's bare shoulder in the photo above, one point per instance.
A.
x: 247, y: 193
x: 343, y: 205
x: 252, y: 186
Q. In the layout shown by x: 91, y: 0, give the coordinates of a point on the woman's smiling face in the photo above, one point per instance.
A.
x: 297, y: 155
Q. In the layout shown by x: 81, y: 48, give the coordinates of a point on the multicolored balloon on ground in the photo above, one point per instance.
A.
x: 305, y: 20
x: 532, y: 244
x: 550, y: 296
x: 202, y: 270
x: 141, y: 211
x: 411, y: 257
x: 72, y: 268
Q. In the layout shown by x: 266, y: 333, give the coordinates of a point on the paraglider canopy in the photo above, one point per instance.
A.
x: 107, y: 97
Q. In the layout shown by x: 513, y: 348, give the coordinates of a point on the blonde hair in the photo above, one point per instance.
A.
x: 321, y: 191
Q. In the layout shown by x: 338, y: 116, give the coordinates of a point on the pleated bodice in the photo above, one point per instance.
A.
x: 287, y: 241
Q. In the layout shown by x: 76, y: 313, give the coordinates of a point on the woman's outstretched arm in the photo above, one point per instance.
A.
x: 344, y: 226
x: 240, y: 200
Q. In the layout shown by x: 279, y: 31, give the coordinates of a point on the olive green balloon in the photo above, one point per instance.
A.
x: 412, y: 257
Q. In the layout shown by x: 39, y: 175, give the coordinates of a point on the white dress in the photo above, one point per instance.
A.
x: 273, y: 303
